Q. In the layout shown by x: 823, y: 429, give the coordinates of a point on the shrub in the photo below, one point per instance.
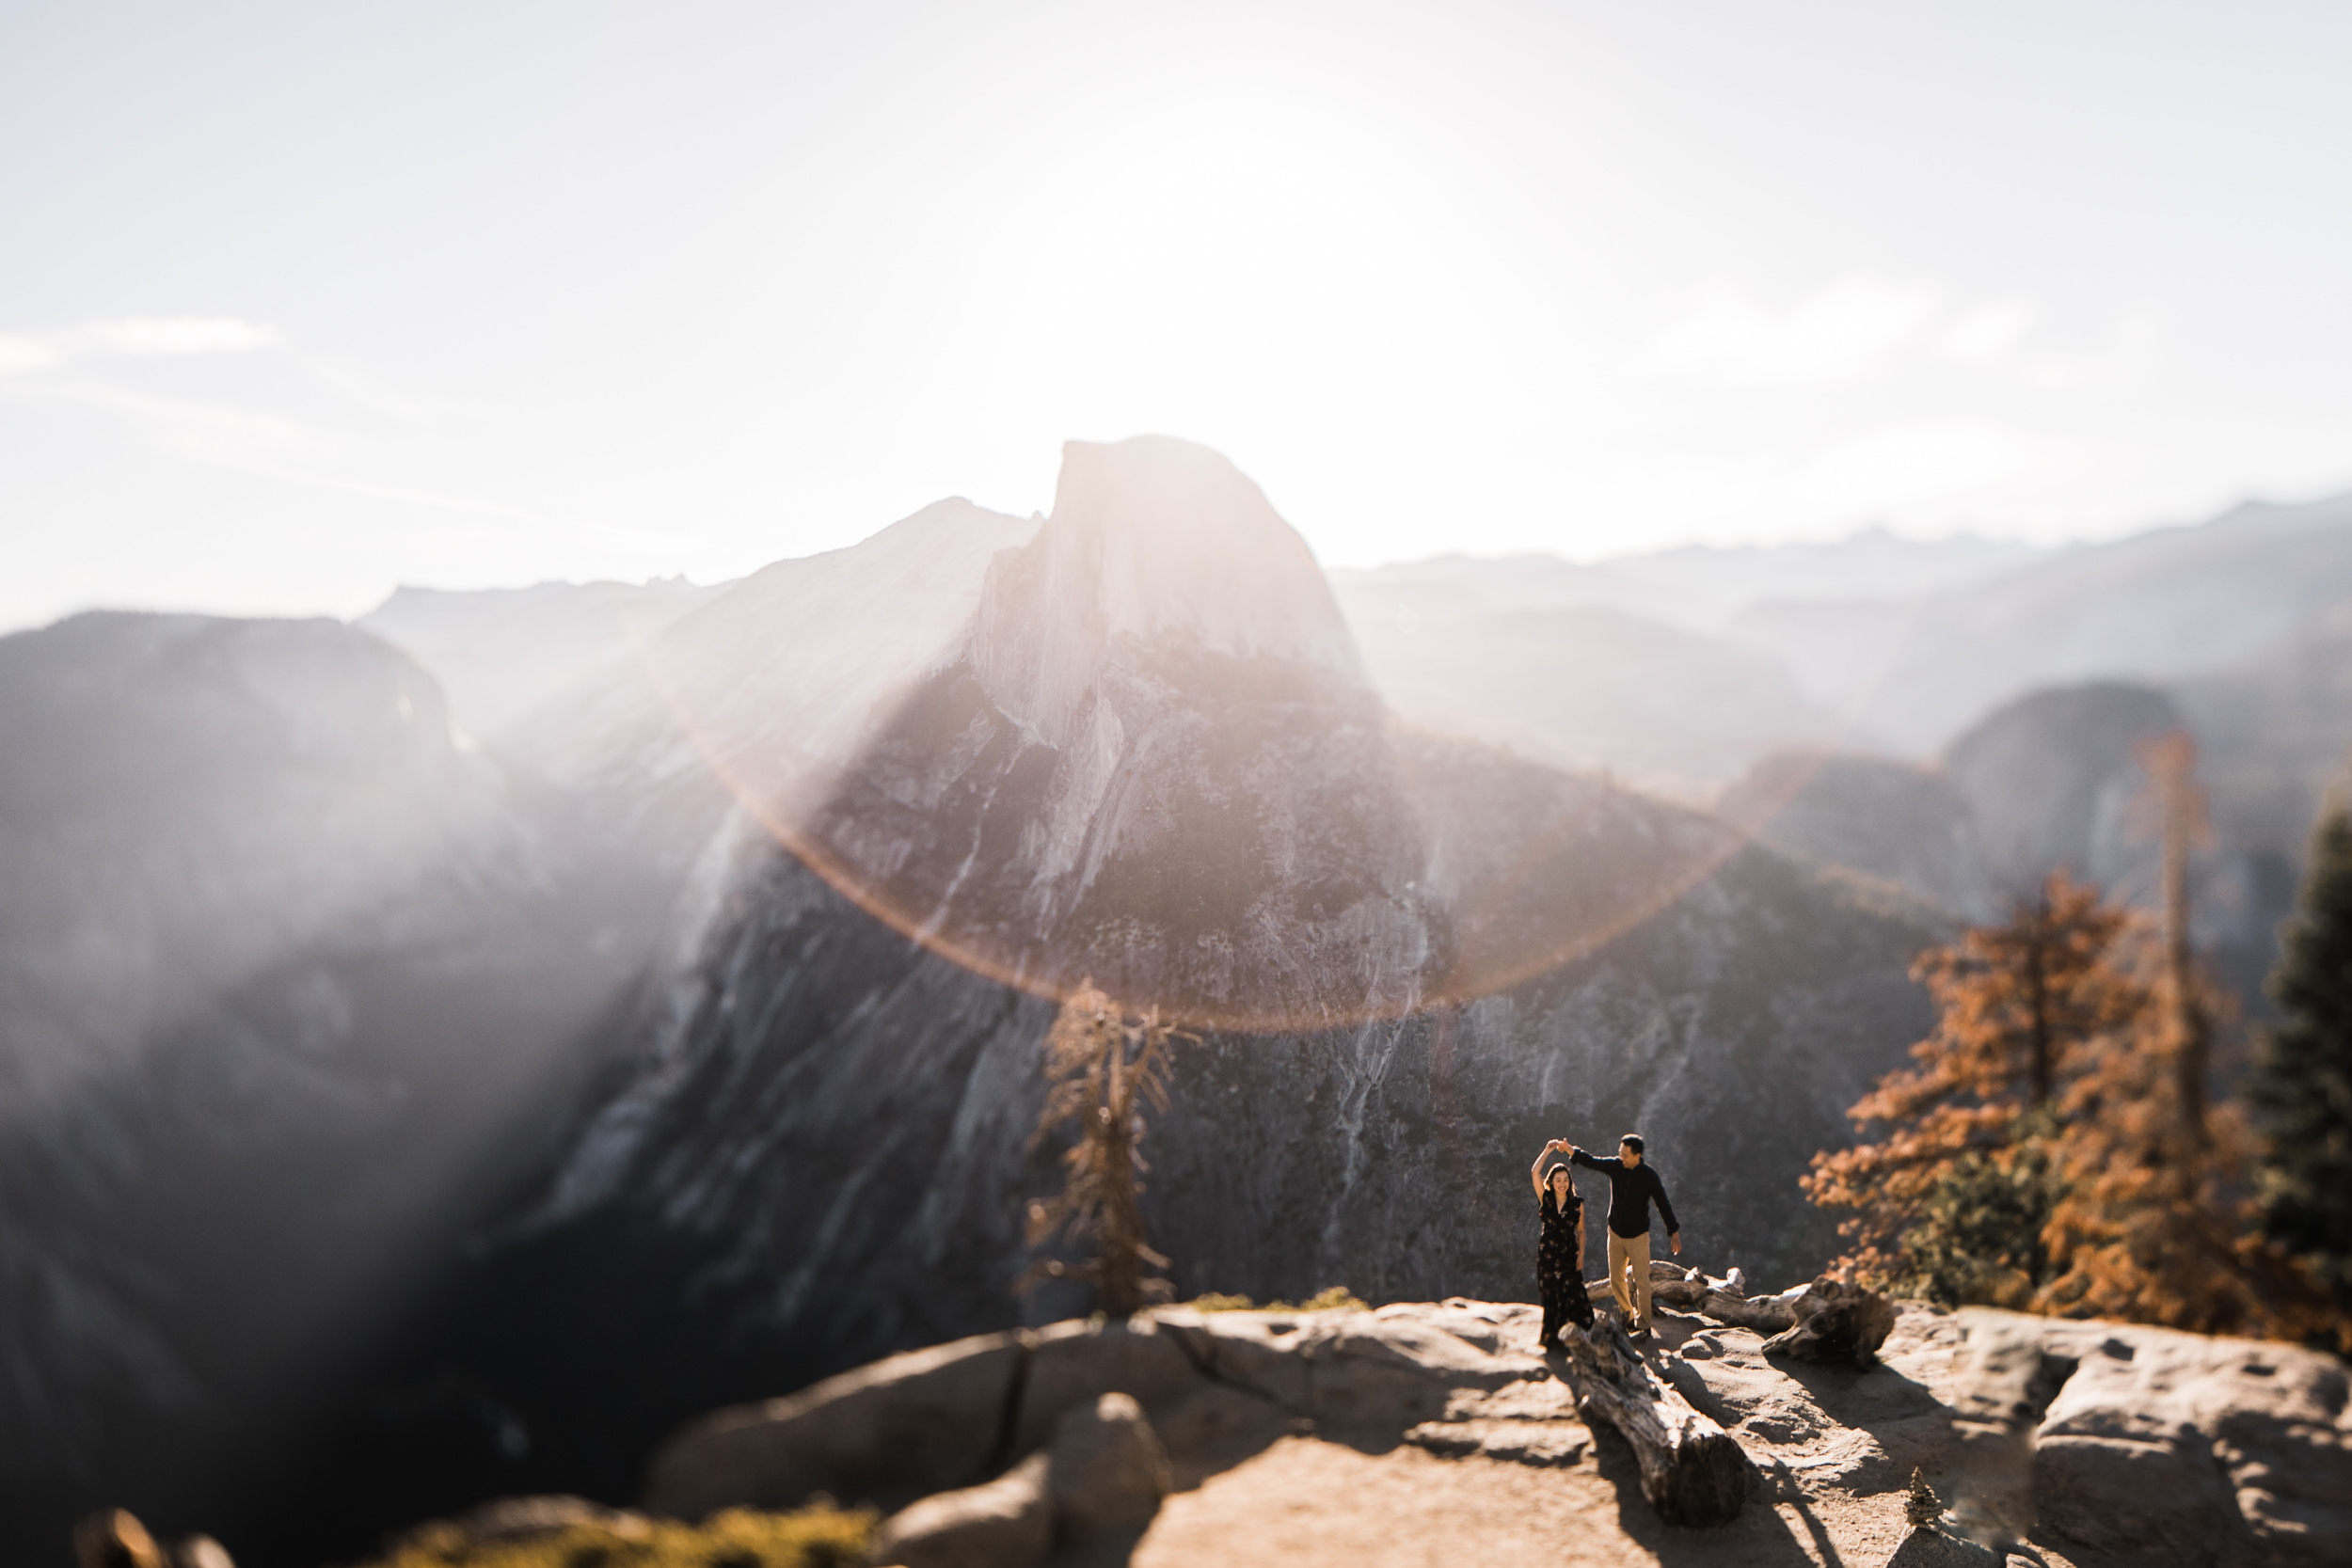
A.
x: 814, y: 1537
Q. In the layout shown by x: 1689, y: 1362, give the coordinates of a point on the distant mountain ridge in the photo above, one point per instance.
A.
x: 1680, y: 669
x: 502, y: 652
x: 1675, y: 669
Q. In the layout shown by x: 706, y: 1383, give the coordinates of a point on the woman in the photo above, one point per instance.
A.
x: 1559, y: 1252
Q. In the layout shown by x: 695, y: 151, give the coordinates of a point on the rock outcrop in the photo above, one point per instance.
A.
x: 1005, y: 1523
x: 2095, y: 1445
x: 956, y: 1415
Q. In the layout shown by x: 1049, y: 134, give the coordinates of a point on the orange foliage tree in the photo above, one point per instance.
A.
x: 1952, y: 1196
x: 2054, y: 1149
x: 2150, y: 1219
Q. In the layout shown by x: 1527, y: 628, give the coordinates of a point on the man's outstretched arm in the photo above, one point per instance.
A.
x: 1590, y: 1162
x: 1666, y: 1211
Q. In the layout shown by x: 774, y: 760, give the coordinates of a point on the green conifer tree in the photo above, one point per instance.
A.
x: 2300, y: 1084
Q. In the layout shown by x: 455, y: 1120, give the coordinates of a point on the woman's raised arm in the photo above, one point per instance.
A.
x: 1535, y: 1171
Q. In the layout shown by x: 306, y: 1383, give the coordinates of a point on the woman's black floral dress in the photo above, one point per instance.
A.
x: 1558, y: 1271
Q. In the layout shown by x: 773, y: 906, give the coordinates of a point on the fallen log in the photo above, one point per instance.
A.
x: 1836, y: 1321
x: 1692, y: 1473
x: 1764, y: 1314
x: 1725, y: 1299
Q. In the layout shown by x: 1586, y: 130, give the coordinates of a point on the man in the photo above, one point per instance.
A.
x: 1631, y: 1186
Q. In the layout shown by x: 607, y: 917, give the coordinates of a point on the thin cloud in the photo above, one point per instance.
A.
x: 22, y: 356
x: 1837, y: 333
x: 207, y: 431
x: 266, y: 445
x: 1889, y: 469
x: 439, y: 501
x: 149, y: 335
x: 1988, y: 333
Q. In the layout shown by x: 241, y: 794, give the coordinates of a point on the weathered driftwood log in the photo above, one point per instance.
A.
x: 1692, y: 1473
x: 1836, y: 1321
x: 1725, y: 1299
x: 1764, y: 1314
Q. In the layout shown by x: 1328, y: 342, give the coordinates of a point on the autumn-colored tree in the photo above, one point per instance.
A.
x: 1100, y: 1071
x: 2151, y: 1211
x: 2151, y: 1207
x: 1952, y: 1196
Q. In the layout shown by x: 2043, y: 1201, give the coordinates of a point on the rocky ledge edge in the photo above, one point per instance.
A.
x: 2097, y: 1442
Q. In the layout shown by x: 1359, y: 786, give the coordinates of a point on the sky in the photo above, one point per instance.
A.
x: 301, y: 302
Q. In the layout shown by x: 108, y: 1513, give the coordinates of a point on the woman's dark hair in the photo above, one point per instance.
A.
x: 1633, y: 1142
x: 1560, y: 1170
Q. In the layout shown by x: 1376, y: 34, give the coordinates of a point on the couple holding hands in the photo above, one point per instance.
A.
x: 1560, y: 1255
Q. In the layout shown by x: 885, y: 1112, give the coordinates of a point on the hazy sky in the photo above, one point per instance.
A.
x: 299, y: 302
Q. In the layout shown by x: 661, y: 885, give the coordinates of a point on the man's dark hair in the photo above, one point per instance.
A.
x: 1633, y: 1142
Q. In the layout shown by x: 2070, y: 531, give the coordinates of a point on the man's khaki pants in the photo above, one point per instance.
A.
x: 1630, y: 1254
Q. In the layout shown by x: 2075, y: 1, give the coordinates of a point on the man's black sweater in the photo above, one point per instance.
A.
x: 1630, y: 1189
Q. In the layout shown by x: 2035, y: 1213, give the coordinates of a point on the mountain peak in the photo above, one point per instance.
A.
x: 1152, y: 540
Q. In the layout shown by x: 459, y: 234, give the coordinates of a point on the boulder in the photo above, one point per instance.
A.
x: 2166, y: 1448
x: 1107, y: 1471
x: 1071, y: 1363
x: 2120, y: 1443
x: 1008, y: 1523
x: 886, y: 1434
x: 951, y: 1416
x: 1836, y: 1321
x: 1370, y: 1371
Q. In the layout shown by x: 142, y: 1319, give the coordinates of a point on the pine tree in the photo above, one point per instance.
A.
x: 1978, y: 1238
x: 1100, y: 1071
x: 1952, y: 1199
x: 2300, y: 1086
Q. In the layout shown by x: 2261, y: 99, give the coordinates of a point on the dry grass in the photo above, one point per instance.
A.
x: 1332, y: 1298
x: 738, y: 1538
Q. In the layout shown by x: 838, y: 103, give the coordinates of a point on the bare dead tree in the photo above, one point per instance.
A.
x: 1100, y: 1070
